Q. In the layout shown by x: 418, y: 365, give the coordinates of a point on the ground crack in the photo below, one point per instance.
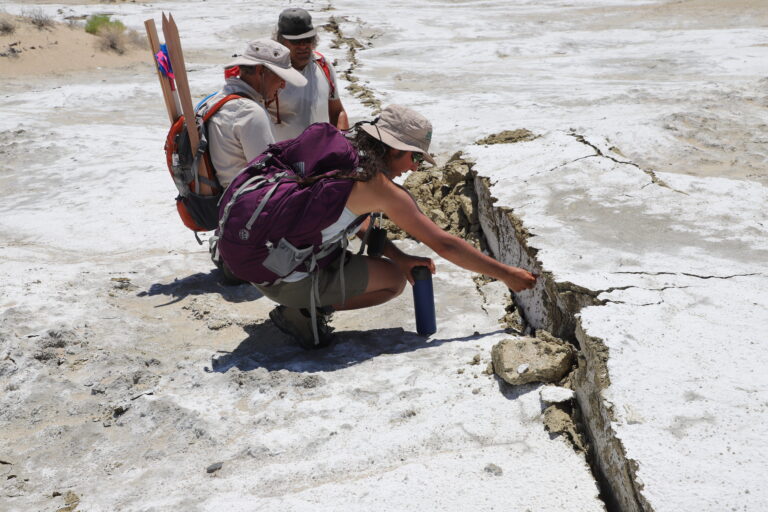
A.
x: 362, y: 92
x: 689, y: 275
x: 654, y: 179
x: 634, y: 304
x: 564, y: 164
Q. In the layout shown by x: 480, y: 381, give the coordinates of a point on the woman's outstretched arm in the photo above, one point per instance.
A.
x: 381, y: 194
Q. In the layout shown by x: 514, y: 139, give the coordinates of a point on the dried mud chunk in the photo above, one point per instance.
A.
x: 509, y: 137
x: 416, y: 179
x: 557, y: 420
x: 544, y: 360
x: 455, y: 172
x: 71, y: 501
x: 439, y: 218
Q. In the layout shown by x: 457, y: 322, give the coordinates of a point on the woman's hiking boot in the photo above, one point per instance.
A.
x: 226, y: 277
x: 297, y: 323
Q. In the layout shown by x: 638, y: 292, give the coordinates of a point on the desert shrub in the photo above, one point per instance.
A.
x: 101, y: 22
x: 38, y: 18
x: 7, y: 27
x: 136, y: 39
x: 112, y: 38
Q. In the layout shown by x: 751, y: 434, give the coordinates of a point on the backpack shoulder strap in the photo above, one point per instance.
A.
x: 326, y: 71
x: 216, y: 106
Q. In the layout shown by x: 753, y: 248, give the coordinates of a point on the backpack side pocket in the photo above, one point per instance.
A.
x: 284, y: 257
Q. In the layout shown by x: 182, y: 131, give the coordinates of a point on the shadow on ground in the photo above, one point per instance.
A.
x: 267, y: 347
x: 201, y: 284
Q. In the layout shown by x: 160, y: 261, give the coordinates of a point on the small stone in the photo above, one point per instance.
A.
x: 544, y: 360
x: 475, y: 360
x: 214, y: 467
x: 493, y: 469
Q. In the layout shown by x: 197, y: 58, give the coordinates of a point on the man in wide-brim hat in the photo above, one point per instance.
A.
x: 242, y: 128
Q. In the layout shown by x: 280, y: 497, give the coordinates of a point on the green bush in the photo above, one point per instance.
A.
x: 100, y: 22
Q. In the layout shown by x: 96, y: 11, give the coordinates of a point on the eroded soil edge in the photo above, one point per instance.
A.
x: 554, y: 308
x: 460, y: 201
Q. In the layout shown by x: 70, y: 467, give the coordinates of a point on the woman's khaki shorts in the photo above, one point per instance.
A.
x: 297, y: 294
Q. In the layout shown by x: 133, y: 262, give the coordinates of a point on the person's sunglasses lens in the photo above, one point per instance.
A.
x: 418, y: 157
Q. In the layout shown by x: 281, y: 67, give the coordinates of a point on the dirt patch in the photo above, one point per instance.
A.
x: 675, y: 14
x: 508, y: 137
x: 60, y: 48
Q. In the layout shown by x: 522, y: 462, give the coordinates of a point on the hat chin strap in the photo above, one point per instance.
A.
x: 375, y: 123
x: 267, y: 101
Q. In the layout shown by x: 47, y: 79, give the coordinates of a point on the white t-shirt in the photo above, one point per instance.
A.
x: 239, y: 132
x: 302, y: 106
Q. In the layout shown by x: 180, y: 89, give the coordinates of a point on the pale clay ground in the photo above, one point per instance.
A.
x: 117, y: 378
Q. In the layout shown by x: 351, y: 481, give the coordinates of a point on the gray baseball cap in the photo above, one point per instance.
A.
x: 402, y: 128
x: 274, y: 56
x: 295, y: 23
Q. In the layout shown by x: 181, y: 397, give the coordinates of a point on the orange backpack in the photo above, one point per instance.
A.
x: 198, y: 212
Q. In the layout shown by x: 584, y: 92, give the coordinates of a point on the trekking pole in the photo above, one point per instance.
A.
x: 165, y: 82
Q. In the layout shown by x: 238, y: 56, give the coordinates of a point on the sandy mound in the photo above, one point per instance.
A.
x: 26, y: 49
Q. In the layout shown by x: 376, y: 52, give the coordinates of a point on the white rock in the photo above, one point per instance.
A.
x: 522, y: 369
x: 555, y: 394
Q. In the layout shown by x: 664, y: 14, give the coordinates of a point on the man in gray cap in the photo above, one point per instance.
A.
x: 242, y: 129
x: 319, y: 101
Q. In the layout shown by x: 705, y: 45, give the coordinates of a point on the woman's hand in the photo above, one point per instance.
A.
x: 406, y: 263
x: 518, y: 279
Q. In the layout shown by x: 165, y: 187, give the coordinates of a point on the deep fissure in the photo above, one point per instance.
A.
x: 564, y: 300
x: 473, y: 194
x: 554, y: 308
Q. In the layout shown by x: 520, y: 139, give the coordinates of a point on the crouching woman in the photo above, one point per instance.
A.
x: 349, y: 181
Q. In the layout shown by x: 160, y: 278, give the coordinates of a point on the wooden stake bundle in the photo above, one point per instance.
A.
x: 165, y: 82
x: 181, y: 98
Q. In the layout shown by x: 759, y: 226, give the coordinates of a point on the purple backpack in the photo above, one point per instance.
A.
x: 270, y: 223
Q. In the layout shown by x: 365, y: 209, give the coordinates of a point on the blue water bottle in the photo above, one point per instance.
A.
x: 424, y: 301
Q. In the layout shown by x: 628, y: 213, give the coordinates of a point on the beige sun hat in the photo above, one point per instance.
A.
x: 402, y: 128
x: 274, y: 56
